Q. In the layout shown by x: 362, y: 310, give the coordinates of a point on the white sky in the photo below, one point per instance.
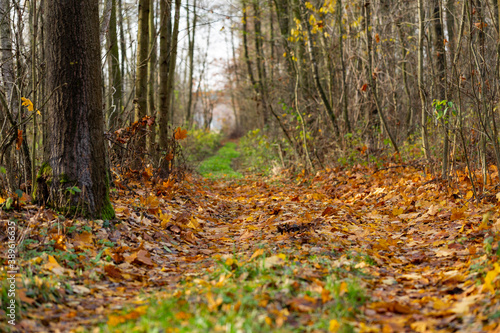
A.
x: 214, y: 18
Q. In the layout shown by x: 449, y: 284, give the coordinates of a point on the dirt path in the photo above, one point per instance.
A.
x: 426, y: 250
x: 416, y: 249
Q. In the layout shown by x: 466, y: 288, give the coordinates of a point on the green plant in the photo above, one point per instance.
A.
x: 219, y: 165
x: 258, y: 152
x: 200, y: 144
x: 73, y: 189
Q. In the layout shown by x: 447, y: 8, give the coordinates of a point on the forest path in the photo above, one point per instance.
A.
x: 390, y: 251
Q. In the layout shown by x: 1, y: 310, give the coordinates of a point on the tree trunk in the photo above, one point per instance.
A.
x: 420, y: 69
x: 115, y: 75
x: 141, y: 74
x: 123, y: 47
x: 440, y: 58
x: 191, y: 36
x: 8, y: 77
x: 169, y: 84
x: 74, y: 178
x: 372, y: 75
x: 165, y: 57
x: 317, y: 82
x: 345, y: 113
x: 152, y: 79
x: 261, y: 68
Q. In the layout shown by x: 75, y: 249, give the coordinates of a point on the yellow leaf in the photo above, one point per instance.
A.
x: 486, y: 219
x: 334, y: 326
x: 343, y: 288
x: 397, y: 211
x: 53, y: 266
x: 26, y: 102
x: 440, y: 305
x: 193, y: 223
x: 2, y: 200
x: 469, y: 195
x: 312, y: 20
x: 490, y: 278
x: 257, y: 253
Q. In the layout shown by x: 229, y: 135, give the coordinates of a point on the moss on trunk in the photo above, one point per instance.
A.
x: 42, y: 185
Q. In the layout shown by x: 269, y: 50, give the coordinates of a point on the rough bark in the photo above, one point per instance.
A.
x: 261, y: 68
x: 152, y: 78
x: 173, y: 58
x: 115, y: 75
x: 191, y: 65
x: 77, y: 151
x: 372, y: 76
x: 8, y: 78
x: 345, y: 113
x: 440, y: 59
x: 141, y: 75
x: 165, y: 46
x: 420, y: 70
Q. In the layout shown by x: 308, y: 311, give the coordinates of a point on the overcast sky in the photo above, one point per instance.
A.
x: 214, y: 23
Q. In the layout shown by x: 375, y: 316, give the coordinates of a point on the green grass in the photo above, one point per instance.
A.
x: 277, y: 293
x: 219, y: 165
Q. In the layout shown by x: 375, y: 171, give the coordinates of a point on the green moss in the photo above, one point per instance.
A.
x: 45, y: 170
x: 63, y: 178
x: 44, y: 176
x: 44, y: 179
x: 107, y: 211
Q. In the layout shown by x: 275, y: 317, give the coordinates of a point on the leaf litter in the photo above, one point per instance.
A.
x: 359, y: 250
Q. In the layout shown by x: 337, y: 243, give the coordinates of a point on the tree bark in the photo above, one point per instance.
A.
x: 440, y: 58
x: 421, y: 34
x: 165, y: 47
x: 141, y: 75
x: 115, y: 75
x: 77, y: 151
x: 168, y: 84
x: 345, y: 113
x: 317, y: 82
x: 261, y: 68
x: 191, y: 65
x: 151, y: 79
x: 372, y: 75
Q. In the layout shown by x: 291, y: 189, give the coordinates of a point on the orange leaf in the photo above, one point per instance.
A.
x: 169, y: 157
x: 180, y: 133
x: 363, y: 88
x: 377, y: 38
x: 19, y: 140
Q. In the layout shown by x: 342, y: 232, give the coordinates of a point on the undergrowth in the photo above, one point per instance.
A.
x: 219, y: 165
x: 258, y: 155
x: 200, y: 144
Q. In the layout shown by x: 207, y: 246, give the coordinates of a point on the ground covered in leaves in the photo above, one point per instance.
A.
x: 361, y: 250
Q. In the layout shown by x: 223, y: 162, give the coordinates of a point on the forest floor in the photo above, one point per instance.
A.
x: 359, y: 250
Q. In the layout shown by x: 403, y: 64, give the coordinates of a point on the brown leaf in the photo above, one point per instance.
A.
x: 113, y: 272
x: 328, y: 211
x: 85, y: 239
x: 141, y: 257
x: 303, y: 304
x: 393, y: 306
